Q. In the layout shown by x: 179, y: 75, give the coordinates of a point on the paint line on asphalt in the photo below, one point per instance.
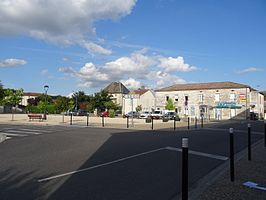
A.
x: 26, y: 129
x: 100, y: 165
x: 26, y: 132
x: 237, y: 131
x: 218, y: 157
x: 14, y: 134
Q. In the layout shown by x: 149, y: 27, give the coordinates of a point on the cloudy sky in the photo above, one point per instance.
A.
x: 86, y: 44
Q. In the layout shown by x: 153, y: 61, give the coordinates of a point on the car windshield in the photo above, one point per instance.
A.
x: 157, y: 112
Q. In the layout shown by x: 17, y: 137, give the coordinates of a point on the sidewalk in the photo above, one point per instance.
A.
x: 254, y: 171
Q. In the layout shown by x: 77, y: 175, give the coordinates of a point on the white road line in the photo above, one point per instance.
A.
x: 199, y: 153
x: 25, y: 129
x: 100, y: 165
x: 14, y: 134
x: 26, y: 132
x: 237, y: 131
x: 8, y: 138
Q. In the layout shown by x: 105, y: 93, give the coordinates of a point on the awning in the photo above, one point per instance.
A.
x: 229, y: 105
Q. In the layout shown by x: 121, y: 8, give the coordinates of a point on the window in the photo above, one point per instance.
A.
x: 176, y: 98
x: 201, y: 98
x: 167, y: 98
x: 232, y: 97
x: 186, y: 100
x: 217, y: 97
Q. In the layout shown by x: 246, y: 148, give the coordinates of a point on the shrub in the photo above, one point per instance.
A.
x: 111, y: 113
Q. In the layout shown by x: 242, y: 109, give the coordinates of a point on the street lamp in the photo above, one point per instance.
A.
x: 46, y: 87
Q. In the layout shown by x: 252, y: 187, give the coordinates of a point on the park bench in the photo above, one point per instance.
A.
x: 35, y: 116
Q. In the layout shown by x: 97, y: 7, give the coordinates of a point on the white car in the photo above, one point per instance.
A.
x: 158, y: 114
x: 145, y: 115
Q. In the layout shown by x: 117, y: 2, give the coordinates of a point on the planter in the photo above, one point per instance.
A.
x: 148, y: 120
x: 165, y: 120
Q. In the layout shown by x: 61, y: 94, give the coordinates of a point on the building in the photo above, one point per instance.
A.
x: 215, y: 100
x: 145, y: 98
x: 29, y: 95
x: 117, y: 90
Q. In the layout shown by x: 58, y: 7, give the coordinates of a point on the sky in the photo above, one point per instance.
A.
x: 84, y: 45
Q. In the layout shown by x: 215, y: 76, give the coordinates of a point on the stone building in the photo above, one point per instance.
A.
x: 117, y: 90
x: 216, y: 100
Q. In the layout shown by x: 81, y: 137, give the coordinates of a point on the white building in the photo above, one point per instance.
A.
x: 29, y: 95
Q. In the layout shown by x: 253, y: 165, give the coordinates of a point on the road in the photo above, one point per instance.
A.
x: 63, y: 162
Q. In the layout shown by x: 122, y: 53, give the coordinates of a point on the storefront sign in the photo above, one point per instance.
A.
x: 242, y: 98
x: 231, y: 105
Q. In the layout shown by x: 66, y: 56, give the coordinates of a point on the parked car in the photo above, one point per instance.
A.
x: 158, y: 114
x: 170, y: 115
x: 145, y: 115
x: 132, y: 113
x: 104, y: 114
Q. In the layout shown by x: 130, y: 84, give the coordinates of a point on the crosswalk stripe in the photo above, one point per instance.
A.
x: 14, y: 134
x: 26, y: 132
x: 25, y: 129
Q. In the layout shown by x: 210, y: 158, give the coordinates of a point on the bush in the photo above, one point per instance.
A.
x: 165, y: 120
x: 111, y: 113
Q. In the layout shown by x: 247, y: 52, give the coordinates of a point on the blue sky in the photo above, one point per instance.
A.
x: 85, y: 44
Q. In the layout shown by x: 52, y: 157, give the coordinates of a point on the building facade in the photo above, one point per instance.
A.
x: 218, y: 100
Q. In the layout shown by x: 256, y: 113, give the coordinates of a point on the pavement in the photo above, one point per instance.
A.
x: 126, y: 163
x: 245, y: 171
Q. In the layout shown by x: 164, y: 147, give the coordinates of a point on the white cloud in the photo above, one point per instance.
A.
x: 249, y: 70
x: 134, y: 70
x: 163, y: 78
x: 88, y: 75
x: 95, y: 48
x: 44, y: 72
x: 175, y: 64
x: 12, y: 62
x: 137, y: 62
x: 131, y: 83
x: 60, y: 21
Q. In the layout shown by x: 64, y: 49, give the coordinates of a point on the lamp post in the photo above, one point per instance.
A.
x: 46, y: 87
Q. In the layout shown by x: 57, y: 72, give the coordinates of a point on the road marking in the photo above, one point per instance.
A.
x: 218, y: 157
x: 100, y: 165
x: 237, y: 131
x: 25, y: 129
x: 26, y: 132
x: 14, y: 134
x: 254, y: 185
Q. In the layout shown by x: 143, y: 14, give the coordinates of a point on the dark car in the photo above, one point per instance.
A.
x: 104, y: 114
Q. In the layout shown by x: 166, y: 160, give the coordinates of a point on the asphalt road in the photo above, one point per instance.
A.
x: 99, y: 163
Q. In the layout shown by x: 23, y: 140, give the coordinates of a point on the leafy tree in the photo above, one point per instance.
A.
x: 61, y: 104
x: 169, y: 105
x: 79, y: 98
x: 139, y: 108
x: 100, y: 100
x: 12, y: 98
x: 110, y: 105
x: 1, y: 92
x: 71, y: 104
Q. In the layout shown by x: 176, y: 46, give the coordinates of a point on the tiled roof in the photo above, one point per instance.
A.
x: 139, y: 91
x: 33, y: 94
x: 204, y: 86
x: 116, y: 87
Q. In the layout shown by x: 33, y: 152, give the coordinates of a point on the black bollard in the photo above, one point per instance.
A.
x: 232, y: 164
x: 265, y: 134
x: 174, y: 123
x: 196, y: 123
x: 127, y: 122
x: 188, y: 123
x: 151, y: 123
x: 102, y: 121
x: 184, y: 168
x: 71, y: 116
x: 249, y: 142
x: 87, y: 119
x: 201, y: 122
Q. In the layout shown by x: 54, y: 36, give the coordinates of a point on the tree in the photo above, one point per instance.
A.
x: 80, y: 97
x: 139, y: 108
x: 61, y: 104
x: 1, y: 92
x: 100, y: 100
x: 169, y: 105
x: 12, y: 98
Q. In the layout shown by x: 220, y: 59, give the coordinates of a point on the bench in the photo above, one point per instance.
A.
x: 35, y: 116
